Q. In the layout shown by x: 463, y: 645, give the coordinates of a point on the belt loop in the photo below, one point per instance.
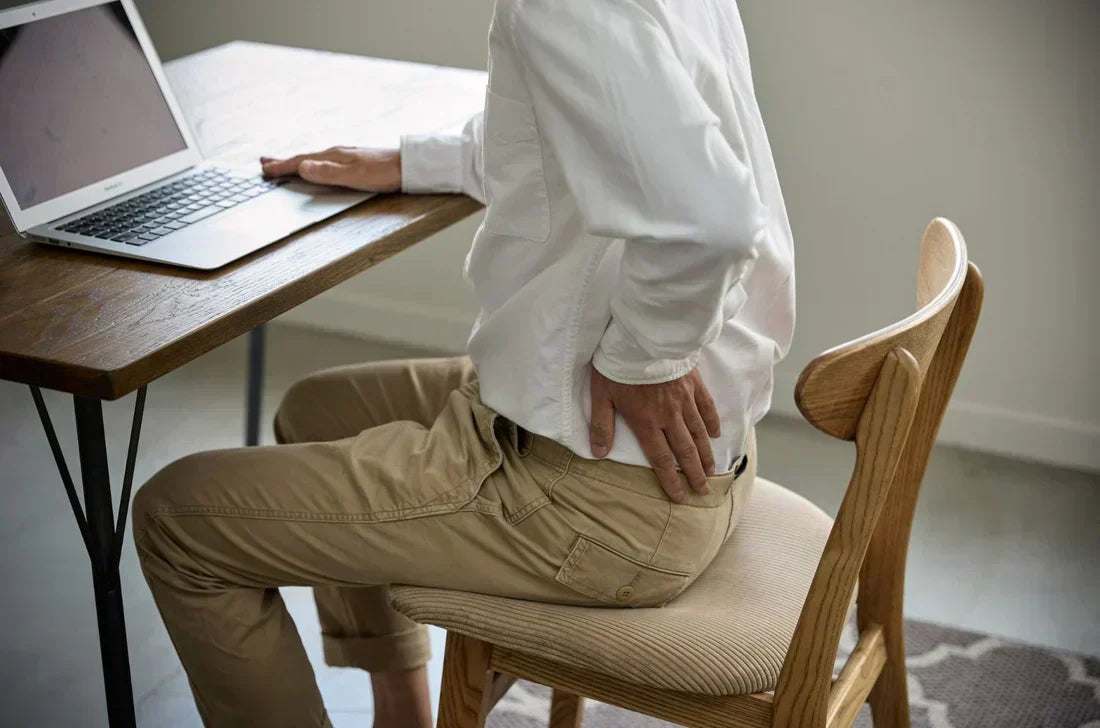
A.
x: 513, y: 434
x: 523, y: 441
x: 519, y: 438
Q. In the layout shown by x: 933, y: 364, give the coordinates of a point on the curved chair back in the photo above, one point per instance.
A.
x: 887, y: 392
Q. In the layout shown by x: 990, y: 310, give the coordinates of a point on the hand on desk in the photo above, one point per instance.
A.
x: 369, y: 170
x: 673, y: 422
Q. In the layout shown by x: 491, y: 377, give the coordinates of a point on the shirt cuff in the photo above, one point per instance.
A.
x: 431, y: 163
x: 621, y: 360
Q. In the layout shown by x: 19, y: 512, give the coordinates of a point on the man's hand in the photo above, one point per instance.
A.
x: 673, y: 422
x: 370, y: 170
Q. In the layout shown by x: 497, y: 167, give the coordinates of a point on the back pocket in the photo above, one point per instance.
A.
x: 609, y: 577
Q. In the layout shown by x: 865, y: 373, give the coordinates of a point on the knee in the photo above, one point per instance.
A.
x: 292, y: 415
x: 159, y: 494
x: 315, y: 409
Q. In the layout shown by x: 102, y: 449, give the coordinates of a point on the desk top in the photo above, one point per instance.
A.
x: 99, y: 326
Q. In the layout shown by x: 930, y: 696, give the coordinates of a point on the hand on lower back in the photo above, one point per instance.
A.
x: 370, y: 170
x: 673, y: 422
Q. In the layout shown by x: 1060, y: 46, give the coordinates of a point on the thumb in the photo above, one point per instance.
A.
x: 325, y: 173
x: 602, y: 430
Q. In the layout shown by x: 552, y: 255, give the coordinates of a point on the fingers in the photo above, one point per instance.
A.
x: 707, y: 410
x: 660, y: 456
x: 285, y: 167
x: 687, y: 455
x: 327, y: 173
x: 701, y: 437
x: 602, y: 432
x: 674, y: 422
x: 274, y: 167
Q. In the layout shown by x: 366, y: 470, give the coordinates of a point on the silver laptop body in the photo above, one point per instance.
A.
x: 95, y: 152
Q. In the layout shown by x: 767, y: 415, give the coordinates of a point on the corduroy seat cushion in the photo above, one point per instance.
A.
x: 727, y: 634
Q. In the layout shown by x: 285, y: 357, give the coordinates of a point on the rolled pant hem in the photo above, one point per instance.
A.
x: 385, y: 653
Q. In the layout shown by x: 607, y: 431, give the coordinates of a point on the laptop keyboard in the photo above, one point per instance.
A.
x: 171, y: 207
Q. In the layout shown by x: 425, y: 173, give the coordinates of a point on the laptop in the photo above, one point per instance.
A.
x: 95, y: 153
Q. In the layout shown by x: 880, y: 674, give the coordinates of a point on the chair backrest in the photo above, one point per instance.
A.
x: 887, y: 392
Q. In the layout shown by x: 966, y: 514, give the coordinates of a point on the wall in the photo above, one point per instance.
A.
x: 882, y: 115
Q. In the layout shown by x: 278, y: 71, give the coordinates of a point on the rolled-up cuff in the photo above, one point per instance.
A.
x: 654, y: 371
x: 385, y: 653
x: 619, y: 358
x: 621, y: 361
x: 431, y: 163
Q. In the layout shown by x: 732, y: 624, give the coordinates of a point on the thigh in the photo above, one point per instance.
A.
x: 398, y: 503
x: 342, y: 402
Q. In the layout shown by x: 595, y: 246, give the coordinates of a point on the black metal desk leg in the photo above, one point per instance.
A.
x: 103, y: 534
x: 255, y: 385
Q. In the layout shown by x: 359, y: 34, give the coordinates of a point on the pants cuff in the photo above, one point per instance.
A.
x: 399, y: 651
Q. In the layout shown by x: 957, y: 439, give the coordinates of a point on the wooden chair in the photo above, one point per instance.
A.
x: 792, y: 585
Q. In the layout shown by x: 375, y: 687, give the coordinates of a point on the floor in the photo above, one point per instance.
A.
x: 999, y: 546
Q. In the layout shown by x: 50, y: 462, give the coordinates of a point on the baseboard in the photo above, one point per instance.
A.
x: 970, y: 425
x: 981, y: 427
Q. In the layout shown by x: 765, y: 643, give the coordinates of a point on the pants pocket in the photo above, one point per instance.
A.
x: 518, y: 488
x: 414, y: 472
x: 607, y: 576
x: 510, y: 485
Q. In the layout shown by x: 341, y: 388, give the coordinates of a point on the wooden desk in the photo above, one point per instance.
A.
x: 99, y: 327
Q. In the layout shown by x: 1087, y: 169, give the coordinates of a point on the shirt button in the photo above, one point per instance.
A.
x: 624, y: 593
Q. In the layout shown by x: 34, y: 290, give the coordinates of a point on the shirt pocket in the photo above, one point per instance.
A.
x: 609, y: 577
x: 517, y: 204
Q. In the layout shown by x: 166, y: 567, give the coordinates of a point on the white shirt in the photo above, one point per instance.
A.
x: 634, y: 217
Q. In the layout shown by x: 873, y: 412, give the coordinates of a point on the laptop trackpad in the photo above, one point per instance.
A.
x: 289, y: 208
x: 222, y: 238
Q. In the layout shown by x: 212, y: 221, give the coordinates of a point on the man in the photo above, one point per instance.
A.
x: 634, y: 259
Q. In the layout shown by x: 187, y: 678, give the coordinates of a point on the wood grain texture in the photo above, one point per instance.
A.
x: 464, y: 700
x: 101, y: 327
x: 566, y: 710
x: 498, y: 688
x: 693, y: 711
x: 833, y: 388
x: 802, y: 694
x: 882, y: 581
x: 861, y: 671
x: 871, y: 531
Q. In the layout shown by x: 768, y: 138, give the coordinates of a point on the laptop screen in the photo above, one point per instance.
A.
x: 80, y: 104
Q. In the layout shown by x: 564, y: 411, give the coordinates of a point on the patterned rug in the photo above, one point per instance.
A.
x: 957, y: 679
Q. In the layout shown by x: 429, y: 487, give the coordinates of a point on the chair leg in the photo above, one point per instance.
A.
x: 465, y: 694
x: 566, y: 710
x: 889, y: 698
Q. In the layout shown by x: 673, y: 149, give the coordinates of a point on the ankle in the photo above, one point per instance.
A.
x: 401, y: 699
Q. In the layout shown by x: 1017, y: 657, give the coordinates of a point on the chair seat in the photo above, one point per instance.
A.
x: 726, y: 634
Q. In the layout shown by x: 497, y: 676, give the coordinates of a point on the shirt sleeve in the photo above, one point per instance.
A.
x: 645, y: 158
x: 445, y: 163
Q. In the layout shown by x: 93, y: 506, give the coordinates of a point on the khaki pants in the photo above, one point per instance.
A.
x: 400, y: 475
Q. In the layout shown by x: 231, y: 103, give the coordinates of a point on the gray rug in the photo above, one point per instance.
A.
x: 957, y: 679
